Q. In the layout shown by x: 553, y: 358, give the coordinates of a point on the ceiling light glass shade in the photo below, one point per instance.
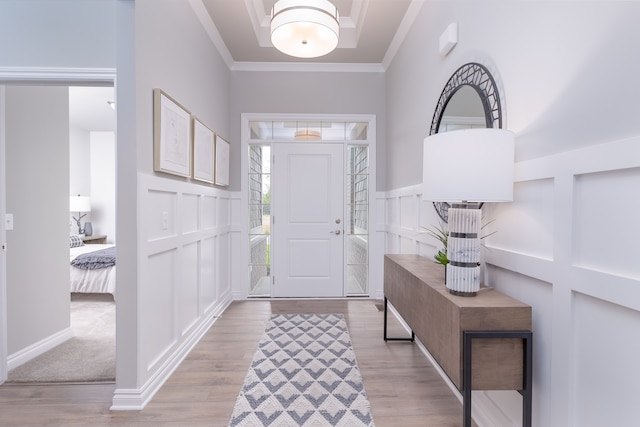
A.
x: 79, y: 204
x: 474, y: 165
x: 307, y: 135
x: 304, y: 28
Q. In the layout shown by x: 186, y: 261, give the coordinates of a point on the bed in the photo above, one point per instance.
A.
x: 95, y: 278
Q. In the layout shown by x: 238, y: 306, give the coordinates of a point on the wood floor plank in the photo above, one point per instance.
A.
x: 402, y: 386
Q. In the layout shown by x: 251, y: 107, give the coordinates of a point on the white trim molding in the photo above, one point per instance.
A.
x: 51, y: 75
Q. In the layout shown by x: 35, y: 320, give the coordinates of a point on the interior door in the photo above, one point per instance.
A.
x: 307, y: 203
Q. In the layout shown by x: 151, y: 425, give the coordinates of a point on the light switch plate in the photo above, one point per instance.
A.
x: 165, y: 220
x: 8, y: 221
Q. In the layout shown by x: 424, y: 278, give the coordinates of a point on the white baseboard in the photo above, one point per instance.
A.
x: 137, y: 399
x: 36, y: 349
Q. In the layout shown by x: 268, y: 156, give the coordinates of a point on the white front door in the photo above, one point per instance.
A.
x: 307, y: 203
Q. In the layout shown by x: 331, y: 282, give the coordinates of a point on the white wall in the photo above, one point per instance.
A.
x: 79, y: 163
x: 92, y: 173
x: 565, y: 70
x: 79, y: 172
x: 103, y: 184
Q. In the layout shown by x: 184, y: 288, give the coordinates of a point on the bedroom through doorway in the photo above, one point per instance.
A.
x: 38, y: 137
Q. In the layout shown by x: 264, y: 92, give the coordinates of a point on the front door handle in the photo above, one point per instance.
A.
x: 336, y: 232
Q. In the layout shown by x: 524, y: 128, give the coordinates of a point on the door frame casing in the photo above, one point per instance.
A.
x: 30, y: 76
x: 241, y: 286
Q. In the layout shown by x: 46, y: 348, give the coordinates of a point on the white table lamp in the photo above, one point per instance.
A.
x: 466, y: 168
x: 79, y: 204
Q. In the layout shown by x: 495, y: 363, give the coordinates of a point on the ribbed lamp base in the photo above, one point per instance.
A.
x: 463, y: 249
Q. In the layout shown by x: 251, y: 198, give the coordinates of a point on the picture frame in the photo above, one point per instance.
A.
x: 171, y: 136
x: 222, y: 161
x: 203, y: 152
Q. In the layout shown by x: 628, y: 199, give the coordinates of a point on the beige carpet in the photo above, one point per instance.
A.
x: 87, y: 357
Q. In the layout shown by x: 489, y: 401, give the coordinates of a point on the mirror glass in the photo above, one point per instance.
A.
x: 463, y: 111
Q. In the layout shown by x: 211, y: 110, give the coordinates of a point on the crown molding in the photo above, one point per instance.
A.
x: 211, y: 30
x: 308, y: 66
x: 412, y: 12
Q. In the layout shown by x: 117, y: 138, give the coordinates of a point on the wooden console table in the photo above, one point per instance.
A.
x: 481, y: 343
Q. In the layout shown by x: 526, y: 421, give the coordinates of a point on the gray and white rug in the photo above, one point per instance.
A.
x: 303, y: 374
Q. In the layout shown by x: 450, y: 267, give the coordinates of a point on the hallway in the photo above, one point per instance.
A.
x: 402, y: 386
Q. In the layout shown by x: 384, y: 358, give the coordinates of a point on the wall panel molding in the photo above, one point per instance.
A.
x: 546, y: 252
x: 186, y: 226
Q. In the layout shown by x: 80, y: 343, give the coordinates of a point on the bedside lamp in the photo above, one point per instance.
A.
x: 466, y: 168
x: 79, y: 204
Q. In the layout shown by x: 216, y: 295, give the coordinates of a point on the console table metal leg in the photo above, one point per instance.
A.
x: 527, y: 365
x: 527, y: 389
x: 386, y: 338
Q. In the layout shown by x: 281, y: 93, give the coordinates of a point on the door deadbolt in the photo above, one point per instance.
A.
x: 338, y: 221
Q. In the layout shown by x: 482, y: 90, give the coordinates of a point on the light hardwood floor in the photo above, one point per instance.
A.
x: 403, y: 388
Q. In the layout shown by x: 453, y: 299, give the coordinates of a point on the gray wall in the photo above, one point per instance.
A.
x: 306, y: 93
x: 566, y: 80
x: 63, y: 33
x: 37, y: 152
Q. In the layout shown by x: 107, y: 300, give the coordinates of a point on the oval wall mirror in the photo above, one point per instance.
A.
x: 469, y: 99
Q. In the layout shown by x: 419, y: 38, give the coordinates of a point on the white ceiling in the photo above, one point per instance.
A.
x: 89, y: 110
x: 370, y: 31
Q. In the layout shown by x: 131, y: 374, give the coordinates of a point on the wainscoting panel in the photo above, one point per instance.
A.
x: 157, y: 315
x: 223, y: 276
x: 566, y: 245
x: 208, y: 218
x: 187, y: 297
x: 183, y: 275
x: 409, y: 208
x: 604, y: 218
x: 525, y: 225
x: 189, y: 212
x: 208, y: 270
x: 603, y: 382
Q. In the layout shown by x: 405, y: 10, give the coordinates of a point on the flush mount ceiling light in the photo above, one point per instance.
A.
x: 304, y: 28
x: 307, y: 135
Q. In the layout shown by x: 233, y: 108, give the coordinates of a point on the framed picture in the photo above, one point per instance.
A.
x: 203, y: 144
x: 171, y: 136
x: 222, y: 161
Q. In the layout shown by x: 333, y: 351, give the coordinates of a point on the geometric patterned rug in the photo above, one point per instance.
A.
x: 303, y: 374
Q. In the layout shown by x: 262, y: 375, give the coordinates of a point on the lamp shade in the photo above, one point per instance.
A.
x: 304, y: 29
x: 473, y: 165
x: 79, y: 204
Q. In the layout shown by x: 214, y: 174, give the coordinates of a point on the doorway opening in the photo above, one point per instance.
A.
x: 56, y: 186
x: 304, y: 211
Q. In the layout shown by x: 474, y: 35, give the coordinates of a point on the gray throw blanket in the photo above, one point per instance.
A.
x: 102, y: 258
